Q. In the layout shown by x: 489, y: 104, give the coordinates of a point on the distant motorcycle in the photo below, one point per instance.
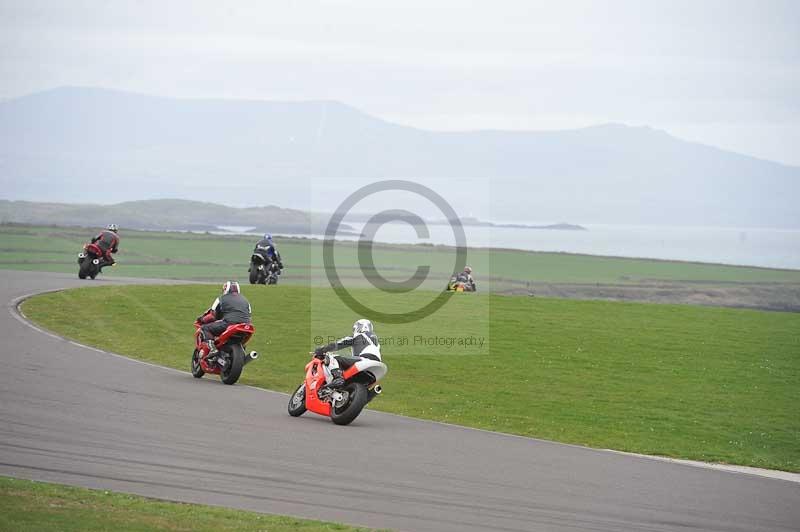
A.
x: 459, y: 285
x: 91, y: 261
x: 263, y: 270
x: 230, y: 357
x: 345, y: 403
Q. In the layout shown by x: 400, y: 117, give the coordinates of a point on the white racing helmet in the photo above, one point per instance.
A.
x: 362, y: 326
x: 230, y: 287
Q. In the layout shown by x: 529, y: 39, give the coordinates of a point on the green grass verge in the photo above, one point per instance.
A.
x: 691, y: 382
x: 202, y: 257
x: 27, y: 506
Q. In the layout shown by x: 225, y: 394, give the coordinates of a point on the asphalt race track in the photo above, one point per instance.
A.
x: 79, y: 416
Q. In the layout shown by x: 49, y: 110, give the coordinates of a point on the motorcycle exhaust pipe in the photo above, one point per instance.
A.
x: 250, y: 357
x: 377, y: 389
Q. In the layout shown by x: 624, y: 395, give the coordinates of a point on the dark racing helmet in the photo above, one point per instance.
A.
x: 230, y: 287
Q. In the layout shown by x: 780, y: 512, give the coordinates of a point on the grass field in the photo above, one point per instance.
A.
x: 212, y: 257
x: 27, y: 506
x: 692, y: 382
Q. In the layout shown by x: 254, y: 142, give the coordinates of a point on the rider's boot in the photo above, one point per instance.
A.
x: 338, y: 380
x: 203, y: 350
x: 207, y: 347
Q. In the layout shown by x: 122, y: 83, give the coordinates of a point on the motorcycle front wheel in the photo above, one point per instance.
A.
x: 297, y: 402
x: 197, y: 370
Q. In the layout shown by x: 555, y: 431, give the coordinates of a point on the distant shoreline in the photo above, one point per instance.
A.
x: 473, y: 222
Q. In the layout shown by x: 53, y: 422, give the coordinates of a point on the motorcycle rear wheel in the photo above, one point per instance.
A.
x: 356, y: 401
x: 297, y: 402
x: 233, y: 369
x: 253, y: 273
x: 86, y: 269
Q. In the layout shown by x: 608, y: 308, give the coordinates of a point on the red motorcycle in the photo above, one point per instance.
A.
x: 229, y: 359
x: 90, y: 261
x: 345, y: 403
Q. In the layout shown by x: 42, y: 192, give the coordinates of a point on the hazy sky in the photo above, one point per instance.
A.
x: 723, y: 73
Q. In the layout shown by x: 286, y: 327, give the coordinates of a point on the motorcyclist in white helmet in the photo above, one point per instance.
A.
x: 229, y: 308
x: 108, y: 242
x: 363, y: 337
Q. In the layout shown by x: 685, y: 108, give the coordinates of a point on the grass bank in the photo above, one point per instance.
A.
x: 27, y: 506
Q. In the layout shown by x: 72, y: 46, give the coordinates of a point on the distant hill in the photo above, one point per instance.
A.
x: 102, y: 146
x: 167, y: 214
